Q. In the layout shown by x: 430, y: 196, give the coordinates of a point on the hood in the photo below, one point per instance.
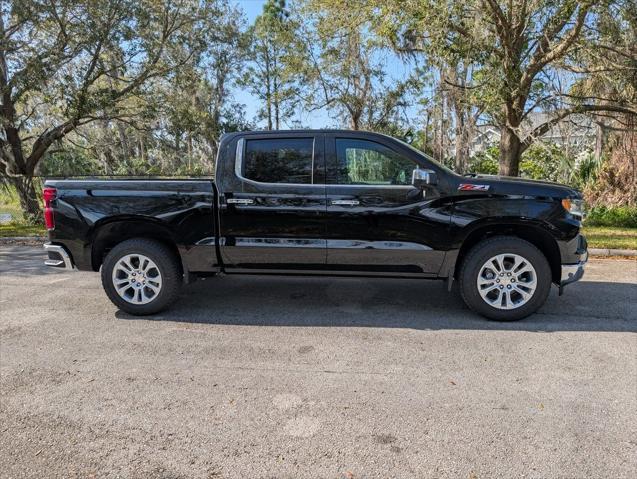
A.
x: 510, y: 185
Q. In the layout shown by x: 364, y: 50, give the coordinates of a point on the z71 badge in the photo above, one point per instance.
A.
x: 470, y: 187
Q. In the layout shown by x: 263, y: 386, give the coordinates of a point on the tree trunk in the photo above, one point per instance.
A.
x: 107, y: 161
x: 29, y: 201
x: 510, y: 152
x: 142, y: 148
x: 425, y: 144
x: 268, y: 104
x: 462, y: 151
x: 600, y: 140
x: 123, y: 140
x: 268, y: 89
x: 354, y: 121
x: 275, y: 92
x: 462, y: 142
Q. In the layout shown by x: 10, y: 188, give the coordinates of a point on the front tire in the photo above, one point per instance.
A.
x: 505, y: 278
x: 141, y: 276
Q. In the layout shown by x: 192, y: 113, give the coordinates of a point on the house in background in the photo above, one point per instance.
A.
x: 575, y: 133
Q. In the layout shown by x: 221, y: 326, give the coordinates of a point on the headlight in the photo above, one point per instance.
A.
x: 574, y: 207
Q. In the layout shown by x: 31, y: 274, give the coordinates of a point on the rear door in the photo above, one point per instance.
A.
x: 272, y: 203
x: 377, y: 222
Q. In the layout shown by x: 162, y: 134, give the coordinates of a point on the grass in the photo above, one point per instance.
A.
x: 9, y: 204
x: 21, y: 229
x: 609, y: 237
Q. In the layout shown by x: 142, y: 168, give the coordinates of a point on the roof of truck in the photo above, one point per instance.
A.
x: 301, y: 131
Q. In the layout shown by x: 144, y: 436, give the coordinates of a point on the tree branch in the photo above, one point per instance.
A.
x: 545, y: 127
x: 544, y: 55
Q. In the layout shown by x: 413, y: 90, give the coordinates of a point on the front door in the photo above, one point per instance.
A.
x: 272, y: 203
x: 377, y: 222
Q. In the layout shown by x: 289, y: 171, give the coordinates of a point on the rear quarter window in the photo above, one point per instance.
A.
x: 279, y: 160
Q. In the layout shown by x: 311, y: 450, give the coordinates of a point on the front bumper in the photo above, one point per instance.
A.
x: 58, y: 257
x: 572, y: 272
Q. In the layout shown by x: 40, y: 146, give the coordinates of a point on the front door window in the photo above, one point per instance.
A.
x: 363, y: 162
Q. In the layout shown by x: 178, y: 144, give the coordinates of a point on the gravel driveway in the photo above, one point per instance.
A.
x: 281, y: 377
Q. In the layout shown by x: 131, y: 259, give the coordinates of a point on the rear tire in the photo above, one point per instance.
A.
x: 141, y: 276
x: 505, y: 278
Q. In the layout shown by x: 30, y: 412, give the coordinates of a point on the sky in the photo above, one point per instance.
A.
x: 317, y: 119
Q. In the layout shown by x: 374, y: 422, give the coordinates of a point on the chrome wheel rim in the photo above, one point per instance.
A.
x: 137, y: 279
x: 507, y: 281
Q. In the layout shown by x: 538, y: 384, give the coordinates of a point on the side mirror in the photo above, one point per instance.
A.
x: 421, y: 178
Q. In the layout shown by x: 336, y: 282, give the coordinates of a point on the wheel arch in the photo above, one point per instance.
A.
x: 107, y: 235
x: 531, y: 232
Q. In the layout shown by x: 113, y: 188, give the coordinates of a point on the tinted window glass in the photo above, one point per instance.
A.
x: 280, y: 160
x: 362, y: 162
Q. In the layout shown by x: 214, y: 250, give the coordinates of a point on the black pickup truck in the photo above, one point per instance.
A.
x: 325, y: 202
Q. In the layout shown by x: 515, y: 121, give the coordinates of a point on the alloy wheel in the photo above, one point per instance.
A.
x: 137, y: 279
x: 507, y: 281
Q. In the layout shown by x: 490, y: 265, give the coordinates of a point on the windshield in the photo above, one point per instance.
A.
x: 425, y: 156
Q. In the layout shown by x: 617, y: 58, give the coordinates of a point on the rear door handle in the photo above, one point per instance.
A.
x: 239, y: 201
x: 345, y: 202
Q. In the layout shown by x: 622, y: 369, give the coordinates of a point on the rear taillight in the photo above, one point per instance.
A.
x: 49, y: 195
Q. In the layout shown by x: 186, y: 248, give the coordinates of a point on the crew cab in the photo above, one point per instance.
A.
x: 321, y: 202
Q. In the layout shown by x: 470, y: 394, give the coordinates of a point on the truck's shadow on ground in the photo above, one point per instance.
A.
x: 387, y: 303
x: 353, y: 302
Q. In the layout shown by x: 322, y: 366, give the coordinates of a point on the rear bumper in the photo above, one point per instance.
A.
x: 58, y: 257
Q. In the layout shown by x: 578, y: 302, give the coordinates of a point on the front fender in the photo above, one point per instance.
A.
x: 472, y: 214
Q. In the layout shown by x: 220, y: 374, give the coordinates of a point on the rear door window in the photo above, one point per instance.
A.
x: 279, y: 160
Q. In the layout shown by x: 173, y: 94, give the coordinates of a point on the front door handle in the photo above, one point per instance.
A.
x: 345, y: 202
x: 239, y: 201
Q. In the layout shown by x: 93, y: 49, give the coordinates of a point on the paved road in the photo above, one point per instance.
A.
x: 316, y: 377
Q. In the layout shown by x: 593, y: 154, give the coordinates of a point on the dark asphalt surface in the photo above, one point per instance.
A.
x: 314, y: 377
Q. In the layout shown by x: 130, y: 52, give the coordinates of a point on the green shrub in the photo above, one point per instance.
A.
x: 546, y: 161
x: 70, y: 162
x: 195, y: 169
x: 135, y: 166
x: 485, y: 162
x: 587, y: 168
x: 542, y: 161
x: 619, y: 216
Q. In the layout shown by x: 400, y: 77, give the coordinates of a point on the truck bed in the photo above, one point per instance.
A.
x: 89, y: 213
